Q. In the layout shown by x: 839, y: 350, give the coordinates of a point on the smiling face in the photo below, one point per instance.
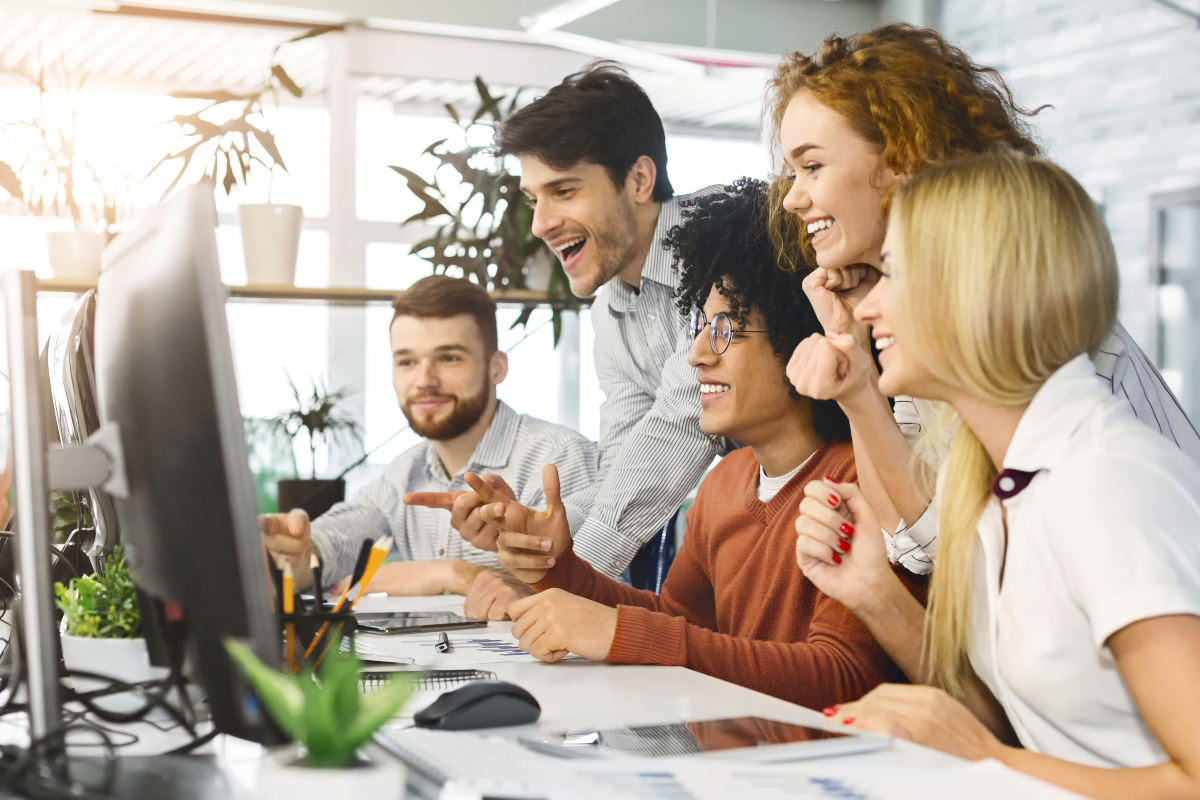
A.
x: 443, y: 379
x: 584, y: 218
x: 743, y: 393
x: 839, y: 182
x: 902, y: 373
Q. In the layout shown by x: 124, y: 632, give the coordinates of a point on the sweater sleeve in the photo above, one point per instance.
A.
x: 838, y: 662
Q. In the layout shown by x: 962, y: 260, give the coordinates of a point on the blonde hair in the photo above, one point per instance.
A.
x: 1006, y: 274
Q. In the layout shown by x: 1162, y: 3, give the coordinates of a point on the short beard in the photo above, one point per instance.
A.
x: 615, y: 240
x: 466, y: 412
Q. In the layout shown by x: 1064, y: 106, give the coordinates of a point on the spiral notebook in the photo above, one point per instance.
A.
x: 434, y: 680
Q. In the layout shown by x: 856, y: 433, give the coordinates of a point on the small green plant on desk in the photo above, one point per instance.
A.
x: 323, y: 711
x: 102, y: 606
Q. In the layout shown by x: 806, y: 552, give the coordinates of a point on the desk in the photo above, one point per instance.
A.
x: 579, y: 693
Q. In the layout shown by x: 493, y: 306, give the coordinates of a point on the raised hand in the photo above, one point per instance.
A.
x: 552, y: 623
x: 840, y: 545
x: 464, y: 506
x: 531, y: 540
x: 289, y: 536
x: 835, y: 292
x: 831, y: 367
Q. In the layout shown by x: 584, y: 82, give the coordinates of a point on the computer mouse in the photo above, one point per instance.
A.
x: 480, y: 704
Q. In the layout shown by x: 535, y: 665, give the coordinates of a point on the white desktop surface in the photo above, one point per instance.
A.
x: 579, y: 693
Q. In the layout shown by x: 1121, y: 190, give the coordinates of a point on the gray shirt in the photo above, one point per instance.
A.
x: 516, y: 446
x: 652, y: 451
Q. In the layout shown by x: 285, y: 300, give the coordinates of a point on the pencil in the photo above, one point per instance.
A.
x: 288, y: 602
x: 364, y: 558
x: 379, y: 551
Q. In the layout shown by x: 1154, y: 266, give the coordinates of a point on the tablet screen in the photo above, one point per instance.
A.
x: 682, y: 738
x: 415, y: 621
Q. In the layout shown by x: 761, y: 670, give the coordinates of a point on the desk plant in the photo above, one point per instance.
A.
x: 324, y: 711
x: 319, y: 416
x: 101, y: 606
x: 484, y: 222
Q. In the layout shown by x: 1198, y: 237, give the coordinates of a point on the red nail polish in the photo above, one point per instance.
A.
x: 848, y: 721
x: 846, y: 529
x: 829, y: 712
x: 834, y: 500
x: 843, y: 545
x: 837, y: 559
x: 832, y: 479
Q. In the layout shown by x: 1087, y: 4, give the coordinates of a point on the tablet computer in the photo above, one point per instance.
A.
x: 750, y: 738
x: 415, y: 621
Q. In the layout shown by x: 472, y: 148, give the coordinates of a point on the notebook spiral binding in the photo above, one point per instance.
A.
x: 430, y: 679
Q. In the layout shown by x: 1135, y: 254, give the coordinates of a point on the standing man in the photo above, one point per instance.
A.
x: 445, y: 368
x: 594, y: 167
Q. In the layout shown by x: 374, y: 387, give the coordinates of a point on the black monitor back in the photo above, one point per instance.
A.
x: 165, y: 376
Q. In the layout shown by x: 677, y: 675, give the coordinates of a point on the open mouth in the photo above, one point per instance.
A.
x: 818, y: 229
x: 884, y: 342
x: 567, y: 252
x: 711, y: 391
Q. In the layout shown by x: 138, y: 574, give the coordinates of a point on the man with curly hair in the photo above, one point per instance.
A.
x: 734, y: 604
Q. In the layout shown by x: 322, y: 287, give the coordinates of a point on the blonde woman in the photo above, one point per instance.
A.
x: 1068, y: 575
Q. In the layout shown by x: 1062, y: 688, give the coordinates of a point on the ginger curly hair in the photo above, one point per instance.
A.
x: 906, y: 90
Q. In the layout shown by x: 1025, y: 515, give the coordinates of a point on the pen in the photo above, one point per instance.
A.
x: 376, y: 553
x: 443, y: 643
x: 287, y: 600
x: 314, y: 565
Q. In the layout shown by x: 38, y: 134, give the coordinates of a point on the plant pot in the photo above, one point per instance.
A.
x: 122, y: 659
x: 283, y: 775
x: 75, y: 254
x: 314, y: 496
x: 270, y: 241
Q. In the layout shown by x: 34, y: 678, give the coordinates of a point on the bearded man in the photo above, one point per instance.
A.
x: 445, y: 369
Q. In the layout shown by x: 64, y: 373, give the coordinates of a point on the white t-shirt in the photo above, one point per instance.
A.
x: 769, y: 487
x: 1103, y: 535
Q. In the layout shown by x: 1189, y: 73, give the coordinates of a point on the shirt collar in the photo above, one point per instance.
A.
x: 1045, y: 429
x: 493, y: 449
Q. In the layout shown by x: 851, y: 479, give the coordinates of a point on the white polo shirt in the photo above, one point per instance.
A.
x: 1102, y: 535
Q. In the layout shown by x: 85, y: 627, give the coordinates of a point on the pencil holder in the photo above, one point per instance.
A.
x: 314, y: 629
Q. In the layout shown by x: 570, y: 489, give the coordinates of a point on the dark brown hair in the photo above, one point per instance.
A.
x: 440, y: 296
x: 908, y: 91
x: 598, y: 116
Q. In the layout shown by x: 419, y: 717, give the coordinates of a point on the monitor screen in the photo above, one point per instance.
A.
x: 165, y: 377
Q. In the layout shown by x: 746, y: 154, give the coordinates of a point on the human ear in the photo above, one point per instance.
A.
x: 640, y: 179
x: 498, y: 367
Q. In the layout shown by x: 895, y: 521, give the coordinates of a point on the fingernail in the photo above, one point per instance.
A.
x: 834, y: 500
x: 550, y: 562
x: 843, y: 545
x: 846, y: 529
x: 832, y: 479
x: 545, y: 544
x: 830, y: 711
x: 848, y: 721
x: 837, y: 559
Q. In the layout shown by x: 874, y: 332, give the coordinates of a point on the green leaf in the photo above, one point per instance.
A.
x: 281, y: 694
x: 268, y: 143
x: 9, y: 181
x: 487, y: 103
x: 453, y: 112
x: 382, y: 705
x: 217, y: 97
x: 286, y: 81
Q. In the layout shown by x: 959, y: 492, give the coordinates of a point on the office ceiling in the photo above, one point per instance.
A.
x: 703, y: 62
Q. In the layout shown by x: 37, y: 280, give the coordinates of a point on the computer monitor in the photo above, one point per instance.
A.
x: 165, y: 377
x: 67, y: 365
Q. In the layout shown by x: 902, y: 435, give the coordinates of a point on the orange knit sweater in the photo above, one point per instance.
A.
x: 735, y: 604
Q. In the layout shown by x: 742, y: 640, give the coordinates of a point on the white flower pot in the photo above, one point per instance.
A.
x: 283, y: 775
x: 122, y: 659
x: 75, y: 254
x: 270, y: 241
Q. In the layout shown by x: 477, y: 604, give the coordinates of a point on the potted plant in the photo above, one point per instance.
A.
x: 320, y: 417
x: 229, y: 135
x: 485, y: 233
x: 329, y: 720
x: 52, y: 176
x: 101, y: 631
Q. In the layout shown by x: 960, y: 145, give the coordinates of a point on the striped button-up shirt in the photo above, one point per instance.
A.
x: 652, y: 451
x: 516, y: 446
x: 1124, y: 370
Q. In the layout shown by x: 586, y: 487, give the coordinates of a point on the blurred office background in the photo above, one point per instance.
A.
x: 1122, y: 77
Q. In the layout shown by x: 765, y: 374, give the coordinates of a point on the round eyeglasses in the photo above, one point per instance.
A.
x: 720, y: 332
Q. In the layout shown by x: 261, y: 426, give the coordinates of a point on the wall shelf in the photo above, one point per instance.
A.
x: 332, y: 295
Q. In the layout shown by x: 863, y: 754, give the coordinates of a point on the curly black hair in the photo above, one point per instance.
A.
x: 723, y: 242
